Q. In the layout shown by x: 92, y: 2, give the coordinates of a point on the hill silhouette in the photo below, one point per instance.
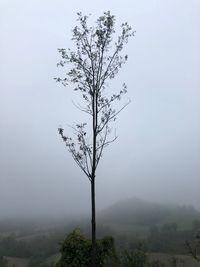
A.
x: 134, y: 211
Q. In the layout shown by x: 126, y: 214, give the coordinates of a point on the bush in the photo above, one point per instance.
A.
x: 76, y: 251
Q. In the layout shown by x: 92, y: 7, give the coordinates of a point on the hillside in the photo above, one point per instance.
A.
x: 160, y: 228
x: 134, y: 213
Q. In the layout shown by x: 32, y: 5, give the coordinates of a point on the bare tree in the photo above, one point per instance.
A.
x: 95, y: 60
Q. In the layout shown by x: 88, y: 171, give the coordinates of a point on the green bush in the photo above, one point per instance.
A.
x: 76, y: 251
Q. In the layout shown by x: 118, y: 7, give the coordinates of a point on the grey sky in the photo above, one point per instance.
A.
x: 157, y: 154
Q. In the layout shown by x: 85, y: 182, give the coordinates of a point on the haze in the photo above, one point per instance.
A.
x: 157, y: 154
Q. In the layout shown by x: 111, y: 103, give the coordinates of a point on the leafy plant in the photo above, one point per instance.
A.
x: 76, y: 250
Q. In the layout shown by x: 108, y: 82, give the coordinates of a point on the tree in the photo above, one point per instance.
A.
x: 93, y: 62
x: 193, y: 246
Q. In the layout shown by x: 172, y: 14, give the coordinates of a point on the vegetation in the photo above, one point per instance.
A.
x: 161, y: 242
x: 3, y: 262
x: 137, y: 212
x: 94, y: 62
x: 194, y: 245
x: 76, y: 251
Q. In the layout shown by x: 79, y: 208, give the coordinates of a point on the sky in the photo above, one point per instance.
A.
x: 157, y: 154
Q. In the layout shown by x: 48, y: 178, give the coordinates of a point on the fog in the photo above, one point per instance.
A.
x: 157, y: 154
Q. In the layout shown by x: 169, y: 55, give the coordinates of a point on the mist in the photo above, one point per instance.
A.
x: 157, y: 154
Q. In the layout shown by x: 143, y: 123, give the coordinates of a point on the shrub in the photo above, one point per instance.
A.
x: 76, y: 250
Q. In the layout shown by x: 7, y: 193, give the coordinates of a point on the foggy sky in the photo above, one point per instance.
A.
x: 157, y: 154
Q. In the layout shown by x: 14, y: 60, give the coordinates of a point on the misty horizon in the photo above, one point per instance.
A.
x: 156, y: 157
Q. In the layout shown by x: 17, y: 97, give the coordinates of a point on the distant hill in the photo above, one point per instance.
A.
x: 136, y: 212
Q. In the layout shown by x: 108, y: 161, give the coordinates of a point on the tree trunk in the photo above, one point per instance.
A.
x: 93, y: 256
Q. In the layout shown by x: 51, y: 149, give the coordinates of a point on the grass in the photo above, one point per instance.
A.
x: 181, y: 260
x: 129, y: 229
x: 53, y: 259
x: 17, y: 262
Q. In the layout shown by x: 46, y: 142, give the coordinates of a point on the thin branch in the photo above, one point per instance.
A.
x: 79, y: 107
x: 107, y: 143
x: 80, y: 165
x: 103, y: 78
x: 112, y: 117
